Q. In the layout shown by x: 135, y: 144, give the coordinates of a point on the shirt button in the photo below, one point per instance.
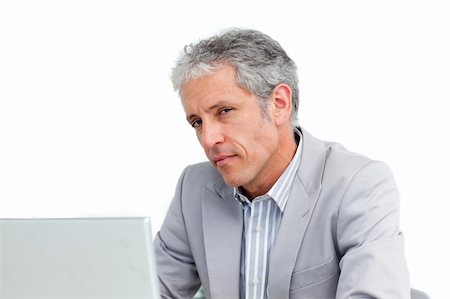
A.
x: 255, y: 281
x: 259, y: 228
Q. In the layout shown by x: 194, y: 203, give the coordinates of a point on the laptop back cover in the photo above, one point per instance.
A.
x: 77, y: 258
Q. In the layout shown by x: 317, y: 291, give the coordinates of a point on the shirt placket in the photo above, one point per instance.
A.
x: 254, y: 248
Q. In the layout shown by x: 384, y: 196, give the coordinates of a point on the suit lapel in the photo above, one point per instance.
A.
x: 304, y: 193
x: 222, y: 228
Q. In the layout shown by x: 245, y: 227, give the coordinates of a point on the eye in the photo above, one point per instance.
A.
x: 225, y: 110
x: 196, y: 123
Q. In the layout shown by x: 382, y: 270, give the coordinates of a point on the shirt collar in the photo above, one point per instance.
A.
x: 280, y: 190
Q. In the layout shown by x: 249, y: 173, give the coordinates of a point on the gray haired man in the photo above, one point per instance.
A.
x: 276, y: 213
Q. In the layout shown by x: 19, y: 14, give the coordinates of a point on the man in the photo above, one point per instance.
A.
x: 276, y: 213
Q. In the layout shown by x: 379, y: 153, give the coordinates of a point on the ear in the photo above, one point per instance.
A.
x: 282, y: 104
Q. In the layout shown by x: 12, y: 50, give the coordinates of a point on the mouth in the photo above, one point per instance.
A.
x: 222, y: 160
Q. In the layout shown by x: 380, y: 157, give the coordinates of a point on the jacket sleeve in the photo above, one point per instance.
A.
x: 369, y: 240
x: 178, y: 277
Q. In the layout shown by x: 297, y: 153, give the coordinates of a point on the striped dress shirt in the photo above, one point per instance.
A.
x: 262, y: 218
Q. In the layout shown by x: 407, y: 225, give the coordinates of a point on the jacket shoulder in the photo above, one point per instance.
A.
x: 338, y: 155
x: 202, y: 174
x: 328, y: 161
x: 341, y: 165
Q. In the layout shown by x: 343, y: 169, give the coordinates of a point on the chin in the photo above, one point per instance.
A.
x: 231, y: 181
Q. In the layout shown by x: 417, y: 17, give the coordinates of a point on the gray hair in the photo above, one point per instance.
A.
x: 260, y: 62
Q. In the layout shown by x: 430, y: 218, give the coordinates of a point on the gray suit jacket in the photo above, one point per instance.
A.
x: 339, y: 236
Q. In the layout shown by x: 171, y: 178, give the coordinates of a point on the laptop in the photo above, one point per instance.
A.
x: 84, y: 258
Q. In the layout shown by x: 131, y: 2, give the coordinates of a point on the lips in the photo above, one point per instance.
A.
x: 223, y: 159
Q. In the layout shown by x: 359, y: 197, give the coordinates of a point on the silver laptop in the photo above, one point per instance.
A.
x: 77, y: 259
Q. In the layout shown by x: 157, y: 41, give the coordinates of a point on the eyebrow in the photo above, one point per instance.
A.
x: 215, y: 106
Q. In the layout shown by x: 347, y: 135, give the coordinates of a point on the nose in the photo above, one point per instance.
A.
x: 210, y: 135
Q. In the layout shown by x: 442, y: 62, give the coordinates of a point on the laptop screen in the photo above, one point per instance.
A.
x: 77, y: 258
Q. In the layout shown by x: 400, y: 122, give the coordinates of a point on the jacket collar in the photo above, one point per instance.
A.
x: 304, y: 193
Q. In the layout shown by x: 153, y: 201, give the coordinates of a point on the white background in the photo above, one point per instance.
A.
x: 90, y: 125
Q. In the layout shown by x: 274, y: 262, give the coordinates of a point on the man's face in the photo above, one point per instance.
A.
x: 237, y: 139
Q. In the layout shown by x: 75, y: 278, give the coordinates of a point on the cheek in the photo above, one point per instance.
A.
x: 258, y: 152
x: 264, y: 150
